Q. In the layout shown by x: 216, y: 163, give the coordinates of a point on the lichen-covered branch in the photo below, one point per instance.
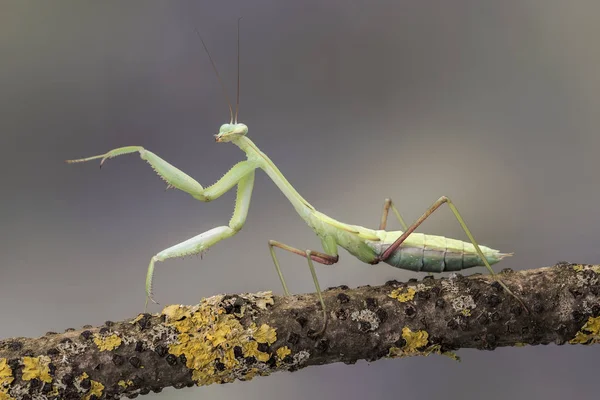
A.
x: 229, y: 337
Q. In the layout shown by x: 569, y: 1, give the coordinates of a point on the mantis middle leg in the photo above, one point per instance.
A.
x: 387, y: 204
x: 390, y: 250
x: 310, y: 255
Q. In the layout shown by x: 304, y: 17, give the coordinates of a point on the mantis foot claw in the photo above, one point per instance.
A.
x: 321, y: 331
x: 512, y: 294
x: 149, y: 297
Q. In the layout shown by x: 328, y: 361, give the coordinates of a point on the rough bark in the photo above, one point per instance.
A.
x: 229, y: 337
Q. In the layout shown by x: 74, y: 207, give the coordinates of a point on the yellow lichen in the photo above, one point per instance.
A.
x: 466, y: 312
x: 283, y: 352
x: 251, y: 374
x: 264, y: 334
x: 229, y: 359
x: 579, y: 268
x: 451, y: 355
x: 589, y: 333
x: 105, y: 343
x: 208, y: 337
x: 6, y: 376
x: 125, y: 384
x: 418, y: 340
x: 251, y: 350
x: 53, y: 392
x: 36, y: 367
x: 414, y: 340
x: 96, y: 390
x: 401, y: 296
x: 176, y: 312
x: 263, y: 299
x: 395, y: 352
x: 136, y: 319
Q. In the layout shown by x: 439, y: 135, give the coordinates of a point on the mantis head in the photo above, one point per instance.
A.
x: 229, y: 132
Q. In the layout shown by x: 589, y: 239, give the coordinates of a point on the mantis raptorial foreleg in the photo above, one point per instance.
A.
x: 310, y: 255
x: 170, y: 174
x: 387, y: 204
x: 241, y: 174
x: 199, y: 244
x: 177, y: 178
x: 390, y: 250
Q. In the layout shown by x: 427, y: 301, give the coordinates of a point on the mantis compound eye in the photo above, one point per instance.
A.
x: 226, y: 128
x: 240, y: 129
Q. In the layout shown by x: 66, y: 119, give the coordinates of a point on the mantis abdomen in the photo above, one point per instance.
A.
x: 430, y: 253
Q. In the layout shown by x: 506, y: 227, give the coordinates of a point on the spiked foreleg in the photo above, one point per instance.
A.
x: 177, y: 178
x: 170, y: 174
x: 201, y: 243
x: 241, y: 174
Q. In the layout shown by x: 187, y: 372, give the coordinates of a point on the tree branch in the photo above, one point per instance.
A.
x: 229, y: 337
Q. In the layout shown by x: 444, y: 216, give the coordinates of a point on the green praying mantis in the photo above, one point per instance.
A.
x: 402, y: 249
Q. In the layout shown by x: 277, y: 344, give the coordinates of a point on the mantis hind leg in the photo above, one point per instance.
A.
x: 310, y: 255
x: 390, y: 250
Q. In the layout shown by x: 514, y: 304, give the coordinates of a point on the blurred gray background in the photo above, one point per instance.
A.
x: 495, y: 105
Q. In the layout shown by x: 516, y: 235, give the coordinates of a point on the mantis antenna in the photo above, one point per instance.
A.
x: 237, y: 103
x: 219, y: 77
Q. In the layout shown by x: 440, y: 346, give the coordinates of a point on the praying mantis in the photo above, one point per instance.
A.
x: 405, y: 249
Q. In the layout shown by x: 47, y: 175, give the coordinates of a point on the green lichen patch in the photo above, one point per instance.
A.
x: 589, y: 333
x: 107, y: 343
x: 416, y: 344
x: 217, y: 347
